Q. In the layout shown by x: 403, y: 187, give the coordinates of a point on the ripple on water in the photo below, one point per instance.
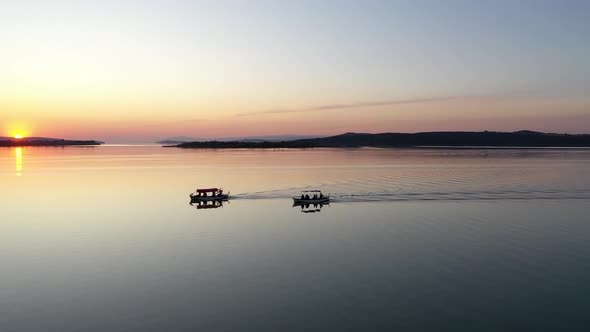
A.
x: 446, y: 184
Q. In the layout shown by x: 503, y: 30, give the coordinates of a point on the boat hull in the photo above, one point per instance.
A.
x: 298, y: 200
x: 196, y: 198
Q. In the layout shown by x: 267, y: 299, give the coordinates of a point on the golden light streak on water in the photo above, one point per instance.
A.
x: 19, y: 161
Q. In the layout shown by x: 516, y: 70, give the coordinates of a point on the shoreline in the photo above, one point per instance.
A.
x: 432, y: 140
x: 445, y: 147
x: 45, y: 143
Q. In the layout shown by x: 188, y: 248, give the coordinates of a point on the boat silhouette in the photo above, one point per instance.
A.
x: 209, y: 194
x: 317, y: 198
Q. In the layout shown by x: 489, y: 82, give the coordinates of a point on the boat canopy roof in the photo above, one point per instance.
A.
x: 311, y: 191
x: 208, y: 190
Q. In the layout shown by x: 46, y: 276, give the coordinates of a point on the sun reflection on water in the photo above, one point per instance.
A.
x: 19, y: 161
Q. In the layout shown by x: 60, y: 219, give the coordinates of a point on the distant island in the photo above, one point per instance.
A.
x: 43, y: 141
x: 251, y: 139
x: 523, y: 138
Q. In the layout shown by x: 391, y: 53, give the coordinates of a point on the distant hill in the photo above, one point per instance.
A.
x: 170, y: 142
x: 180, y: 139
x: 434, y: 139
x: 252, y: 139
x: 44, y: 141
x: 31, y: 139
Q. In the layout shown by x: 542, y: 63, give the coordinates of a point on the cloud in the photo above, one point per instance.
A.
x: 330, y: 107
x: 171, y: 122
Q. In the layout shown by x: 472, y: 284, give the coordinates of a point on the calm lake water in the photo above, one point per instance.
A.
x: 104, y: 239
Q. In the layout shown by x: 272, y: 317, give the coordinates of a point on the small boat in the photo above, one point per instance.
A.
x: 317, y: 197
x: 209, y: 194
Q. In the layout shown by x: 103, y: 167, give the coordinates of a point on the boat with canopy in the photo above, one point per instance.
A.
x: 311, y: 197
x: 209, y: 194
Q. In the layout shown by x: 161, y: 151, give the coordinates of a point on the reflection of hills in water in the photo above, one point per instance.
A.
x: 207, y: 204
x: 310, y: 208
x: 449, y: 183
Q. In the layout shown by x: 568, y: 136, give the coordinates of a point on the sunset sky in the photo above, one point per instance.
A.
x: 138, y: 71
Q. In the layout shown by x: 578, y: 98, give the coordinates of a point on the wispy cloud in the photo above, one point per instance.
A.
x: 171, y: 122
x: 330, y: 107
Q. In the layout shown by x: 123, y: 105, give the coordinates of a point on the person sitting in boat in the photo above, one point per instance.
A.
x: 321, y: 195
x: 306, y: 196
x: 302, y: 197
x: 315, y: 196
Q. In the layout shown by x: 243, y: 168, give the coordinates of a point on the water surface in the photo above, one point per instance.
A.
x: 104, y: 239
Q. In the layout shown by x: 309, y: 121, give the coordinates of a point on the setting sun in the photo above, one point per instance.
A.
x: 18, y: 136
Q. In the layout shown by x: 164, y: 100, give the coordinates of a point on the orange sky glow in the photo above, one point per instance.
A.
x: 461, y: 113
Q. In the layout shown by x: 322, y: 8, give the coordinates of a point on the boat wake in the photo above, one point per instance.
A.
x: 453, y: 186
x: 430, y: 196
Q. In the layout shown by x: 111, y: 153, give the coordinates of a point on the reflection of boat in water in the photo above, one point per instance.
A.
x: 207, y: 204
x: 317, y: 198
x: 210, y: 194
x: 310, y: 208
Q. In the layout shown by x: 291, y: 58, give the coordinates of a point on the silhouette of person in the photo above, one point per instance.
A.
x: 306, y: 196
